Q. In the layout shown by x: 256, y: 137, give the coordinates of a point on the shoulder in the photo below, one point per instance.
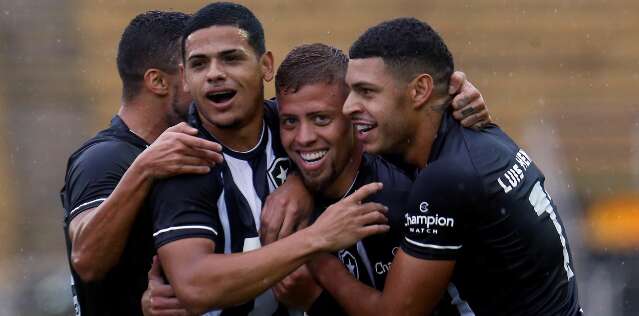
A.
x: 383, y: 171
x: 449, y: 174
x: 105, y: 152
x: 189, y: 186
x: 101, y: 158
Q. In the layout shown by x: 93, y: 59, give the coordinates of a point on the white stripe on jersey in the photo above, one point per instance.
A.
x: 224, y: 220
x: 367, y: 262
x: 161, y: 231
x: 432, y: 246
x: 87, y: 203
x: 462, y: 306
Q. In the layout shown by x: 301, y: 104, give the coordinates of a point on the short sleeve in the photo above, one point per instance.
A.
x: 94, y: 174
x: 186, y: 207
x: 436, y: 218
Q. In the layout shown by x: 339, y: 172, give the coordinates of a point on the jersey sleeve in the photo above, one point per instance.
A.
x: 436, y: 217
x: 186, y: 207
x: 93, y: 176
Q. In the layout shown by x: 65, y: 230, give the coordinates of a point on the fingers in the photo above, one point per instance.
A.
x: 467, y: 95
x: 373, y: 207
x: 479, y: 118
x: 364, y: 191
x: 170, y: 312
x: 192, y: 161
x: 271, y: 222
x: 193, y: 169
x: 155, y: 273
x: 279, y: 290
x: 456, y: 81
x: 162, y: 291
x: 196, y: 142
x: 182, y: 128
x: 469, y: 108
x: 374, y: 217
x: 288, y: 227
x: 374, y: 229
x: 165, y: 303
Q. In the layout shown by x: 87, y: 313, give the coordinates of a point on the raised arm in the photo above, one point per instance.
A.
x: 413, y: 286
x: 204, y: 280
x: 98, y: 235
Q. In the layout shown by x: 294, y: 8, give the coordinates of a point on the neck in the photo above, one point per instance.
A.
x: 419, y: 149
x: 243, y: 137
x: 345, y: 180
x: 143, y: 118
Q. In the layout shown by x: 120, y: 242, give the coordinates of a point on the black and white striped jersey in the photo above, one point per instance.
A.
x: 225, y: 204
x: 93, y: 172
x: 481, y: 202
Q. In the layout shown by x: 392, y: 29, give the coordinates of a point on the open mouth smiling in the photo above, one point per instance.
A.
x: 221, y: 96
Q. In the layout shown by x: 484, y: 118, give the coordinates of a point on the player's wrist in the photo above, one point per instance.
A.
x: 141, y: 169
x: 315, y: 240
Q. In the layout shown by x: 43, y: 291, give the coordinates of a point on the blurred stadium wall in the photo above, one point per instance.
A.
x: 561, y: 77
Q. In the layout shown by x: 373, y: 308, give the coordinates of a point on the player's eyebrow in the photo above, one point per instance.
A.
x: 196, y: 56
x: 363, y: 85
x: 228, y: 52
x: 232, y: 51
x: 321, y: 112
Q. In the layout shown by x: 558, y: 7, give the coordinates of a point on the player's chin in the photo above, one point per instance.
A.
x: 373, y: 147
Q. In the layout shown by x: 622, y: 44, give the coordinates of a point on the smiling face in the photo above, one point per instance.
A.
x: 225, y: 76
x: 377, y: 106
x: 315, y: 133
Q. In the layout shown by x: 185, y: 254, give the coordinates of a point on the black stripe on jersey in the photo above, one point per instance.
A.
x: 228, y: 200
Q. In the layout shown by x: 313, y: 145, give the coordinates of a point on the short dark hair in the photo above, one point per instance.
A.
x: 227, y: 14
x: 409, y: 47
x: 310, y: 64
x: 151, y: 40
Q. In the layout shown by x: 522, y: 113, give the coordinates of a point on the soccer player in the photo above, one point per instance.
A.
x: 206, y: 225
x: 478, y: 222
x: 321, y: 141
x: 107, y: 228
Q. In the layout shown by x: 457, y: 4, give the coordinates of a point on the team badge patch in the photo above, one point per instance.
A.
x: 349, y: 261
x: 278, y: 170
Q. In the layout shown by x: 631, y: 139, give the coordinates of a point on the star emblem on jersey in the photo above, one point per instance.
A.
x: 349, y: 261
x: 277, y: 171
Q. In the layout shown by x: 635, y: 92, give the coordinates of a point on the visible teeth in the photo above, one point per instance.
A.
x: 313, y: 156
x: 363, y: 127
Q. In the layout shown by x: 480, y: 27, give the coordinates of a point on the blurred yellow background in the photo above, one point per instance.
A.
x: 561, y: 77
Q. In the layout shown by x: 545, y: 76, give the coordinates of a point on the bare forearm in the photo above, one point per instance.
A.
x: 99, y: 236
x: 212, y: 281
x: 356, y: 298
x: 413, y: 287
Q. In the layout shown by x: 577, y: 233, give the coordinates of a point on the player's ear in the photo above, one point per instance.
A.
x: 421, y: 89
x: 185, y: 87
x: 266, y: 62
x: 156, y: 81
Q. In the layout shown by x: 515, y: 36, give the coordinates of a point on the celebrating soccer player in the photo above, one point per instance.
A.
x: 479, y: 223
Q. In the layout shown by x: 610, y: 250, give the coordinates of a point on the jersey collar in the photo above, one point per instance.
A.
x: 447, y: 124
x: 120, y: 130
x: 194, y: 120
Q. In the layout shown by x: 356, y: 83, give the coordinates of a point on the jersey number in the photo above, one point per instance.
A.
x: 540, y: 201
